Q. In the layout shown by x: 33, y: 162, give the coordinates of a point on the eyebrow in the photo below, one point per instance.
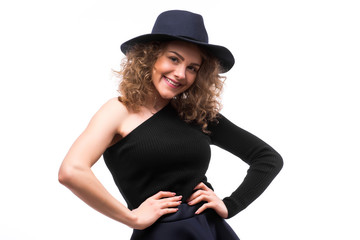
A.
x: 182, y: 58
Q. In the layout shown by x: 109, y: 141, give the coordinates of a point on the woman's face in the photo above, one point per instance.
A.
x: 176, y: 68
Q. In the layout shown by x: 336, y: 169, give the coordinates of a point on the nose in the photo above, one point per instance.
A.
x: 180, y: 71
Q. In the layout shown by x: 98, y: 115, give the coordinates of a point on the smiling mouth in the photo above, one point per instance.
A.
x: 172, y: 82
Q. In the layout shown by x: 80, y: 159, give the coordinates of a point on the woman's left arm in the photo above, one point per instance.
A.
x: 265, y: 163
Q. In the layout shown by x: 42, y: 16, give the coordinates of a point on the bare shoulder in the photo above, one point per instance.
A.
x: 114, y: 107
x: 101, y: 132
x: 111, y: 114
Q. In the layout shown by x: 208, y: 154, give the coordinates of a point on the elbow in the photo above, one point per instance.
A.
x: 67, y: 175
x: 279, y: 162
x: 276, y: 161
x: 64, y: 175
x: 268, y: 160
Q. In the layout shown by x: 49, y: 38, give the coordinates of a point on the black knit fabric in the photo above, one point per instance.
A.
x: 166, y: 154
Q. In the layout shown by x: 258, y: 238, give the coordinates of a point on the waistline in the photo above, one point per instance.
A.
x: 185, y: 211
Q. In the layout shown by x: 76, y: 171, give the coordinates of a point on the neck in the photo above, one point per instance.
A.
x: 155, y: 103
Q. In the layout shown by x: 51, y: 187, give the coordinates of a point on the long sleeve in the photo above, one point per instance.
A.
x: 264, y: 162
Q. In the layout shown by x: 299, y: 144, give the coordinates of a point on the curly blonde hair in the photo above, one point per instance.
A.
x: 199, y: 104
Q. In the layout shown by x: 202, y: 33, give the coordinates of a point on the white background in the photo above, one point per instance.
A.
x: 294, y: 85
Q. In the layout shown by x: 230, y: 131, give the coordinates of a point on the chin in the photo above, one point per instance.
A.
x: 167, y: 95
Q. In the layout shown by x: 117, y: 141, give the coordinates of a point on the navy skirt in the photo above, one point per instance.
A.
x: 186, y: 225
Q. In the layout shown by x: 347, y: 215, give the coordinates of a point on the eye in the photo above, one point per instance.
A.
x: 193, y: 69
x: 174, y: 59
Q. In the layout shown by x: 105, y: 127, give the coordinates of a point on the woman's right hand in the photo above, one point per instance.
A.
x: 154, y: 207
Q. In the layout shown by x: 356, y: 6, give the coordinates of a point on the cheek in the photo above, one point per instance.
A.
x: 153, y: 73
x: 156, y: 71
x: 190, y: 83
x: 161, y: 64
x: 192, y: 80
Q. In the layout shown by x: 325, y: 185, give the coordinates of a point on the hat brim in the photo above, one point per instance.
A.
x: 225, y: 57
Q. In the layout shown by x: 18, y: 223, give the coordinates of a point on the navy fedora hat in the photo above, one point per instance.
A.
x: 185, y: 26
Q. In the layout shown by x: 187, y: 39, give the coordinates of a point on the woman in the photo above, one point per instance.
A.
x: 155, y: 138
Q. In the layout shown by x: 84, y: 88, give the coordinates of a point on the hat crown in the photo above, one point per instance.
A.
x: 181, y: 24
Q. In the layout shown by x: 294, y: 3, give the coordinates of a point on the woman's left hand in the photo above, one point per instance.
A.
x: 205, y: 194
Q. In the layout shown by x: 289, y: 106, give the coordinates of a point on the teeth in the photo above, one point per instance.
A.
x: 171, y: 82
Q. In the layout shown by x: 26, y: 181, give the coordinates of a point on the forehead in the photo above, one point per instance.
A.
x: 187, y: 50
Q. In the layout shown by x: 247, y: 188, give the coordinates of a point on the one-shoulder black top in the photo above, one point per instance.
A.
x: 164, y: 153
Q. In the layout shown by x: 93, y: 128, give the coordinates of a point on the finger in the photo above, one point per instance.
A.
x: 203, y: 207
x: 164, y: 194
x: 168, y: 210
x: 201, y: 186
x: 171, y: 199
x: 201, y: 198
x: 170, y: 204
x: 196, y: 194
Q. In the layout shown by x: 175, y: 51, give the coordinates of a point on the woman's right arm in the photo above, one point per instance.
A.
x: 75, y: 171
x: 76, y: 174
